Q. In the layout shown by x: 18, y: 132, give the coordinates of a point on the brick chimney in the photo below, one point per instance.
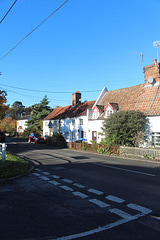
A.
x: 152, y: 71
x: 76, y: 98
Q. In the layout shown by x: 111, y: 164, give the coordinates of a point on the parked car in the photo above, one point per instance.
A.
x: 36, y: 138
x: 2, y: 137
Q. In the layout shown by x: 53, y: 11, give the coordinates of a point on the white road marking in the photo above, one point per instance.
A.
x: 79, y: 185
x: 55, y: 176
x: 79, y: 194
x: 115, y: 199
x: 95, y: 191
x: 139, y: 208
x: 98, y: 229
x: 37, y: 169
x: 99, y: 203
x: 158, y: 218
x: 36, y: 174
x: 54, y: 182
x: 46, y: 173
x: 67, y: 180
x: 121, y: 213
x: 126, y: 170
x: 66, y: 188
x: 44, y: 178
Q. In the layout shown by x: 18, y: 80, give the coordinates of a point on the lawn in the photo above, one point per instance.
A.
x: 13, y: 166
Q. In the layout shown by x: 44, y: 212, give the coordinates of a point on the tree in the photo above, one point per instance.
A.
x: 122, y: 127
x: 39, y: 112
x: 16, y: 109
x: 3, y: 108
x: 8, y: 125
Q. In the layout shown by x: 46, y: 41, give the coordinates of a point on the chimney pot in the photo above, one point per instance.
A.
x: 155, y: 61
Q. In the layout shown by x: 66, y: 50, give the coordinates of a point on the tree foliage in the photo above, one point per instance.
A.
x: 3, y: 107
x: 16, y: 109
x: 8, y: 125
x: 39, y: 112
x: 122, y: 127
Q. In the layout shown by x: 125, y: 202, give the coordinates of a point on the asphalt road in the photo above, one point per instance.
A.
x: 77, y: 195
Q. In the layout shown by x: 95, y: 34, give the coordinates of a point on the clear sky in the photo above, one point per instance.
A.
x: 85, y: 46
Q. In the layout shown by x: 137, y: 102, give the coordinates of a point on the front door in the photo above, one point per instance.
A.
x: 94, y: 136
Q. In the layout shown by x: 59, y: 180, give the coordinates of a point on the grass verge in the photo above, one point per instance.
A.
x: 13, y: 166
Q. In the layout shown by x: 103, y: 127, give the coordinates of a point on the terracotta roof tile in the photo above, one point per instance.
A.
x: 70, y: 111
x: 144, y: 99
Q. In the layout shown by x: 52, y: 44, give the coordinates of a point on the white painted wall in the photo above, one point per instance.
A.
x: 21, y: 125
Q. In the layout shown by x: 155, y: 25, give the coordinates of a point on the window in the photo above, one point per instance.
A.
x: 80, y: 121
x: 156, y: 139
x: 95, y: 115
x: 84, y: 134
x: 108, y: 113
x: 55, y: 123
x: 66, y: 135
x: 73, y: 136
x: 46, y: 124
x: 73, y: 122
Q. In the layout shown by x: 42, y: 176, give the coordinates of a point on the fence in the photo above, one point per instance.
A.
x: 3, y: 151
x: 141, y: 152
x: 94, y: 148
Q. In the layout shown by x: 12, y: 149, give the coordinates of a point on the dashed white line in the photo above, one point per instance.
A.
x: 121, y: 213
x: 54, y: 182
x: 99, y: 203
x: 79, y: 194
x: 55, y: 176
x: 44, y: 178
x: 36, y: 174
x: 67, y: 180
x: 46, y: 173
x: 95, y: 191
x: 78, y: 185
x: 66, y: 188
x: 115, y: 199
x: 139, y: 208
x: 37, y: 169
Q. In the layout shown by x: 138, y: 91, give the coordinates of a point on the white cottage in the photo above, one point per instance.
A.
x: 71, y: 120
x: 84, y: 120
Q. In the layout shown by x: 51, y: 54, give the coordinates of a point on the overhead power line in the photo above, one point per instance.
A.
x: 34, y: 90
x: 8, y: 11
x: 34, y: 29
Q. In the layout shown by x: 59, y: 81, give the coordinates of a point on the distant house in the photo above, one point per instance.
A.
x: 84, y: 120
x: 71, y: 120
x: 22, y: 123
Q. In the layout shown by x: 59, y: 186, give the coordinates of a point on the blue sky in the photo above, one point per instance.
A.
x: 85, y: 46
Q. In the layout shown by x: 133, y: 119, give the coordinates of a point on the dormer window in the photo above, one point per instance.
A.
x: 108, y: 113
x: 95, y: 114
x: 110, y: 108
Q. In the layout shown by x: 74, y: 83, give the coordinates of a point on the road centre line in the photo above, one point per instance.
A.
x: 124, y: 169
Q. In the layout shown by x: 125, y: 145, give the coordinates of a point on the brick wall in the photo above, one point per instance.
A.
x: 152, y: 71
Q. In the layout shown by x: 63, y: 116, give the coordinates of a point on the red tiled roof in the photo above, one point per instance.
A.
x: 70, y: 111
x: 144, y: 99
